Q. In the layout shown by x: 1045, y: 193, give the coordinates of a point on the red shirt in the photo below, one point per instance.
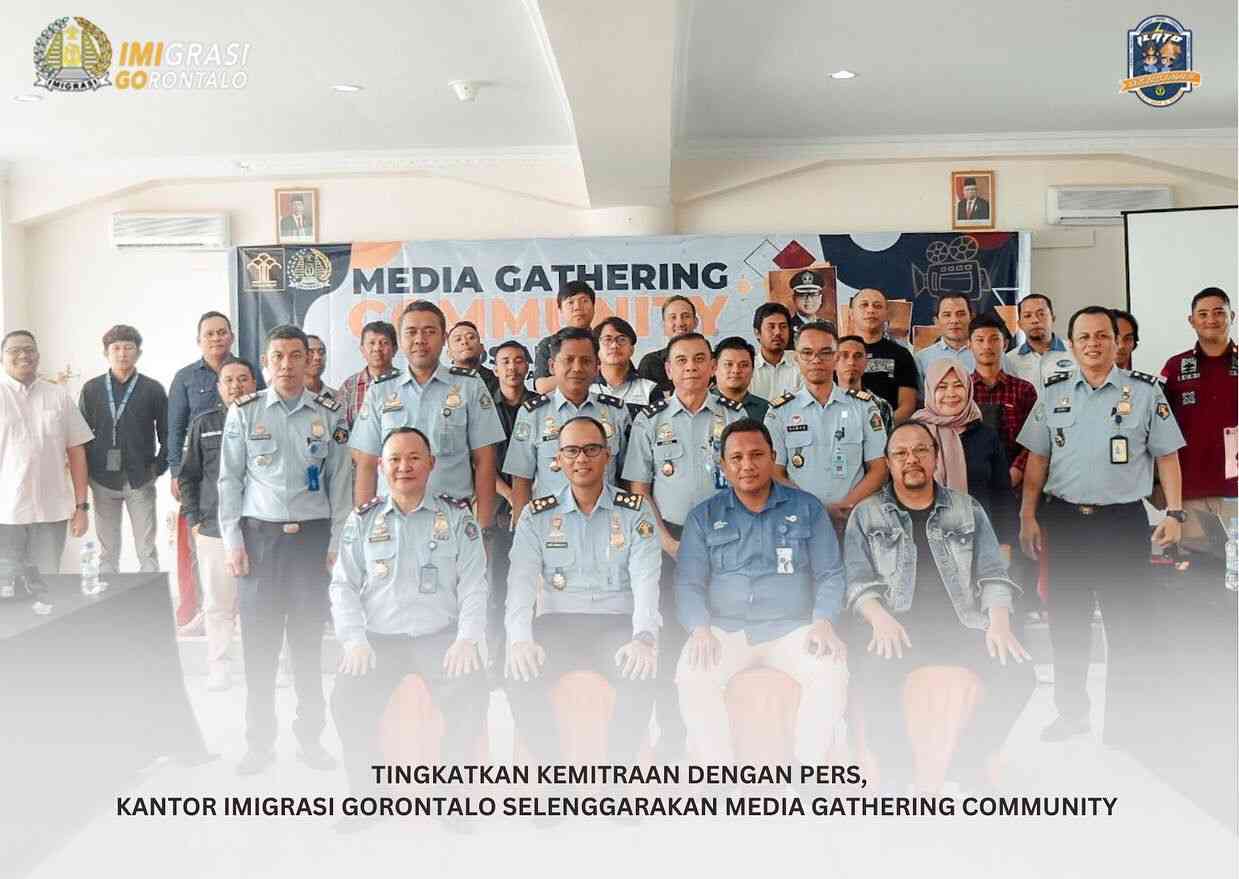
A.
x: 1013, y: 398
x: 1204, y: 395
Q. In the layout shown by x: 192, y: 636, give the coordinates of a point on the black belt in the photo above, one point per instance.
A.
x: 282, y: 527
x: 1087, y: 509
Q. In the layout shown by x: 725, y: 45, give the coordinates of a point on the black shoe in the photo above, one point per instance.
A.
x: 1062, y: 729
x: 255, y: 762
x: 316, y: 757
x: 350, y: 824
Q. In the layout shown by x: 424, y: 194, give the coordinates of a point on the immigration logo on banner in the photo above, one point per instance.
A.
x: 1159, y: 61
x: 507, y: 287
x: 72, y: 55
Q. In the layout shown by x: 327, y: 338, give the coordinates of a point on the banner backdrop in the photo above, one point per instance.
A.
x: 507, y: 287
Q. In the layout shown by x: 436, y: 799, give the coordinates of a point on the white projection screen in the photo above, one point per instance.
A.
x: 1171, y: 256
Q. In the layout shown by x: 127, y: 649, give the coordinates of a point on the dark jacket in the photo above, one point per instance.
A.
x: 654, y: 367
x: 142, y: 434
x: 199, y: 474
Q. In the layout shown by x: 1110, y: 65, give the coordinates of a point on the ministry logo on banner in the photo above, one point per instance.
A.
x: 72, y: 54
x: 1159, y: 61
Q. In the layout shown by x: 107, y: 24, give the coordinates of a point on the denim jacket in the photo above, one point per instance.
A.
x: 880, y: 555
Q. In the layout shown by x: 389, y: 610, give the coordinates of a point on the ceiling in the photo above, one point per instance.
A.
x: 619, y: 88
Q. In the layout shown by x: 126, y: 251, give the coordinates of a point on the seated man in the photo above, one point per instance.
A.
x: 598, y: 557
x: 408, y: 596
x: 906, y: 548
x: 759, y: 582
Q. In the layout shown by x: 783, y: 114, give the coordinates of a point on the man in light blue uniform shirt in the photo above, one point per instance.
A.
x: 532, y: 460
x: 448, y: 404
x: 284, y: 483
x: 953, y: 318
x: 827, y: 440
x: 759, y: 582
x: 596, y: 553
x: 408, y: 596
x: 1093, y: 440
x: 1043, y: 353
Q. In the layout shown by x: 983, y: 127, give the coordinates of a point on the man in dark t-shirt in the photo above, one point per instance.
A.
x: 891, y: 371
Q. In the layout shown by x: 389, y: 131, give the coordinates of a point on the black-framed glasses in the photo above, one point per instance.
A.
x: 591, y: 450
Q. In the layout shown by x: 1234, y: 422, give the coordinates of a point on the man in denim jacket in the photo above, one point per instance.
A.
x: 924, y: 570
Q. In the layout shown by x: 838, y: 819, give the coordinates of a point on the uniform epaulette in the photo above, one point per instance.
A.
x: 541, y: 504
x: 629, y: 500
x: 387, y: 376
x: 1145, y: 377
x: 1056, y: 378
x: 654, y: 408
x: 369, y: 505
x: 610, y: 401
x: 728, y: 403
x: 860, y: 395
x: 327, y: 402
x: 463, y: 370
x: 460, y: 503
x: 787, y: 397
x: 534, y: 402
x: 246, y: 400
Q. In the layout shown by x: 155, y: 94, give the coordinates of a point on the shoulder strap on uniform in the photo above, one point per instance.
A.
x: 1056, y: 378
x: 629, y: 500
x: 787, y: 397
x: 610, y: 401
x: 728, y: 403
x: 460, y: 503
x: 654, y: 408
x: 369, y: 505
x: 1145, y: 377
x: 541, y: 504
x: 463, y: 370
x: 246, y: 400
x: 387, y: 376
x: 327, y: 402
x: 534, y: 401
x: 860, y: 395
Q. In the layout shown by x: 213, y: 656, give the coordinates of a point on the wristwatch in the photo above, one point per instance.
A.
x: 1178, y: 515
x: 84, y: 507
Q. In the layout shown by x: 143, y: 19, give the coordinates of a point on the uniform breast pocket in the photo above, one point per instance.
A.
x: 450, y: 434
x: 724, y: 547
x: 799, y: 443
x: 1060, y: 425
x: 557, y: 562
x: 262, y: 453
x: 389, y: 421
x: 884, y: 550
x: 380, y: 563
x: 668, y: 459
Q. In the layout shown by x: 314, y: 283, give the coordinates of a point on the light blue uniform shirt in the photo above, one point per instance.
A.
x: 453, y: 409
x: 413, y: 573
x: 606, y: 562
x: 535, y: 437
x: 265, y: 456
x: 1086, y: 436
x: 825, y: 448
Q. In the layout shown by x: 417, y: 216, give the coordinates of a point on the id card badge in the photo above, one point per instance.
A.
x: 720, y: 481
x: 428, y: 579
x: 113, y: 461
x: 838, y: 463
x: 311, y: 477
x: 1118, y: 450
x: 784, y: 560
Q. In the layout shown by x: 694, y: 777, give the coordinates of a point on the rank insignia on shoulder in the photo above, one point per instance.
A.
x: 611, y: 401
x: 783, y: 400
x: 1056, y: 378
x: 387, y: 376
x: 340, y: 434
x: 247, y: 399
x: 327, y: 402
x: 542, y: 504
x: 460, y: 503
x: 369, y: 505
x: 463, y: 370
x: 1145, y: 377
x: 654, y: 408
x: 534, y: 402
x: 728, y: 403
x: 860, y: 395
x: 629, y: 500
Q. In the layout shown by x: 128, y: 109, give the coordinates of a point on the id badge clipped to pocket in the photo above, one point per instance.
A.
x: 1118, y: 450
x: 428, y: 579
x: 113, y: 462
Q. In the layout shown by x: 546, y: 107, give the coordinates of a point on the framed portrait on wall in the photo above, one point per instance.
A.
x: 296, y: 216
x: 974, y: 203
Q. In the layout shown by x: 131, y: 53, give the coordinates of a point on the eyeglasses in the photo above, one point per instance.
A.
x: 591, y: 450
x: 901, y: 455
x: 604, y: 341
x: 824, y: 354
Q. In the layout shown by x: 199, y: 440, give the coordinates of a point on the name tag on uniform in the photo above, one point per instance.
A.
x: 784, y: 560
x: 211, y: 433
x: 1118, y: 450
x: 838, y: 463
x: 794, y: 428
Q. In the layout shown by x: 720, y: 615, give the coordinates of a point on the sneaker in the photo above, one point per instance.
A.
x: 195, y: 628
x: 217, y: 682
x: 255, y: 762
x: 1062, y: 729
x: 316, y: 757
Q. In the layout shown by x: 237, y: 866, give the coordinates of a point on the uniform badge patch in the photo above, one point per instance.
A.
x: 1163, y: 411
x: 1189, y: 398
x: 645, y: 529
x: 471, y: 530
x: 875, y: 420
x: 521, y: 433
x: 340, y: 434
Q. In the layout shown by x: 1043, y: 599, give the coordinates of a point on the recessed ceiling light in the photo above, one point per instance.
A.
x: 28, y: 99
x: 843, y: 74
x: 346, y: 88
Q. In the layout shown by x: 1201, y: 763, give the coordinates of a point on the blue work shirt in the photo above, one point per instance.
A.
x: 194, y: 390
x: 767, y: 573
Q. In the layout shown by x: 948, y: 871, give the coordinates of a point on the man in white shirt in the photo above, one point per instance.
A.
x: 775, y: 371
x: 1043, y: 353
x: 40, y: 425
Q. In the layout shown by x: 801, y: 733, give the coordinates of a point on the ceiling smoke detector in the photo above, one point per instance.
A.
x: 466, y: 89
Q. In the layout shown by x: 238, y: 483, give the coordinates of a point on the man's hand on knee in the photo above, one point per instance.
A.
x: 704, y: 651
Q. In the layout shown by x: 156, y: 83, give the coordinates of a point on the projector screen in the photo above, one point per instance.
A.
x: 1171, y: 256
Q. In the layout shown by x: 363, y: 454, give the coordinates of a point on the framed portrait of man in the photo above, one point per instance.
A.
x: 296, y: 212
x: 973, y: 200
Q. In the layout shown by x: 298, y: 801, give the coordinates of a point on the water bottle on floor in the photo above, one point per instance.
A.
x: 1232, y: 555
x: 90, y: 569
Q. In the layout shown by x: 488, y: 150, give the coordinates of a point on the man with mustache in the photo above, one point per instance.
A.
x: 1043, y: 353
x: 775, y: 372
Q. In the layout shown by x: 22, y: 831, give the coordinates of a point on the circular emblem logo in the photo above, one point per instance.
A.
x: 72, y: 55
x: 309, y: 269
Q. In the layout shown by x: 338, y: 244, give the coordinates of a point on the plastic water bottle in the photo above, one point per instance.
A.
x: 1232, y: 555
x: 90, y: 569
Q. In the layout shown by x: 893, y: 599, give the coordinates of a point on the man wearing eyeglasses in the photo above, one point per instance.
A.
x: 595, y: 550
x: 827, y: 440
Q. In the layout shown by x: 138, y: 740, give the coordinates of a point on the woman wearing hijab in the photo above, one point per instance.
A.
x: 971, y: 457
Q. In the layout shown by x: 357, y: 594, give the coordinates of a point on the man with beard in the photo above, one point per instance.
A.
x: 464, y: 347
x: 1043, y: 353
x: 775, y: 372
x: 679, y: 317
x: 378, y: 349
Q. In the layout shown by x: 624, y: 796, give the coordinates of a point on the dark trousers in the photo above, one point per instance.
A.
x: 1103, y: 556
x: 358, y: 701
x: 582, y: 642
x: 286, y: 590
x: 671, y: 641
x: 880, y: 683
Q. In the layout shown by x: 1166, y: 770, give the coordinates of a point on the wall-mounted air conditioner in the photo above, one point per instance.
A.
x: 173, y: 231
x: 1101, y: 205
